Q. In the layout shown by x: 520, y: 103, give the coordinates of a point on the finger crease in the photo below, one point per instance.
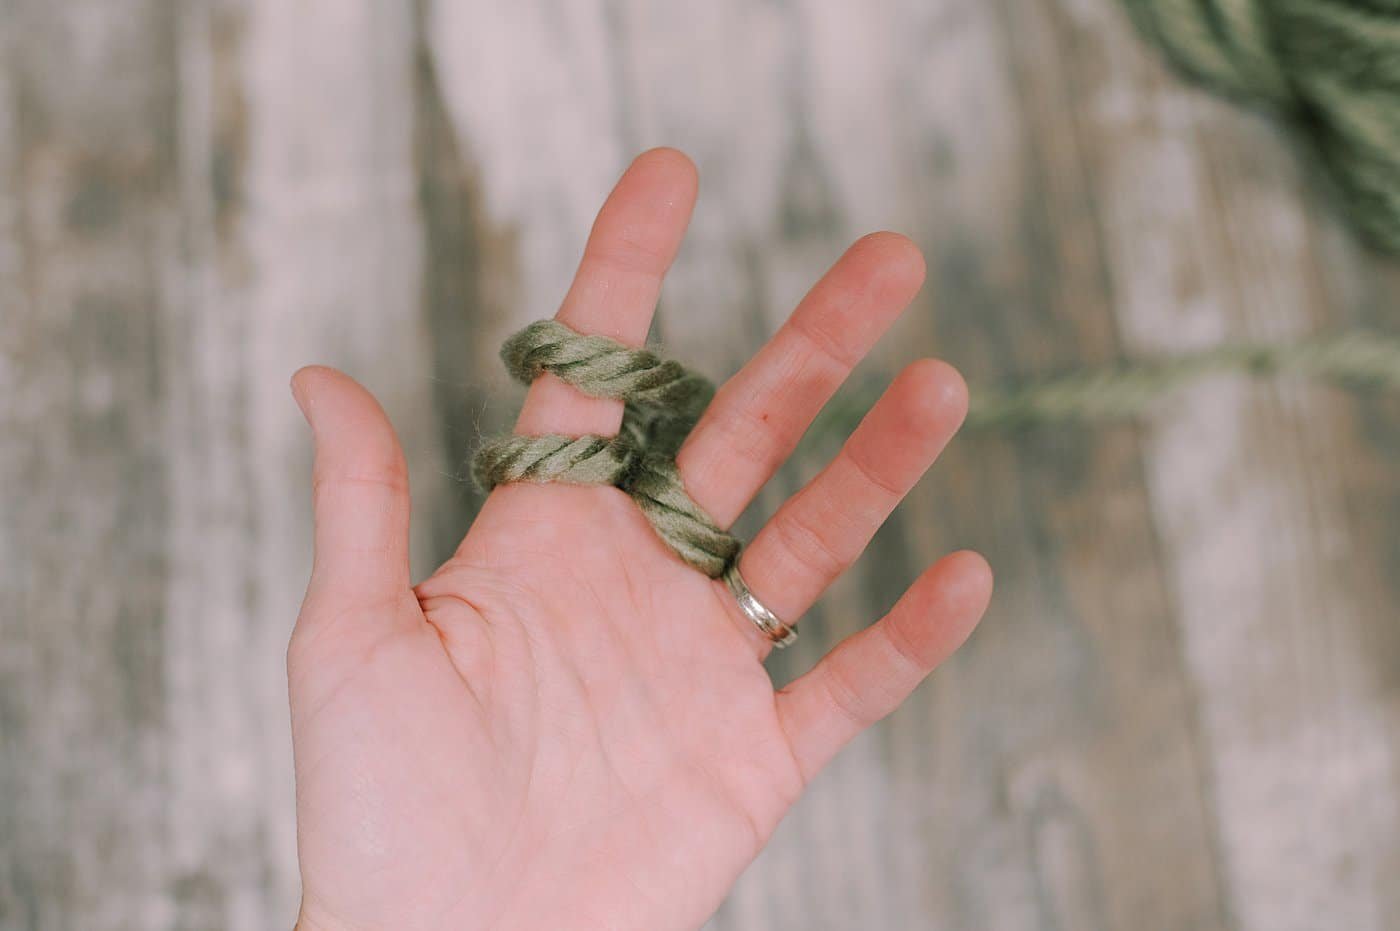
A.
x: 868, y: 473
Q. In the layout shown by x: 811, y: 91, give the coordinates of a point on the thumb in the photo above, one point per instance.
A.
x: 359, y: 490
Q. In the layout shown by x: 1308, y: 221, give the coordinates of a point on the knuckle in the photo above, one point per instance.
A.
x: 845, y: 698
x: 393, y: 481
x: 902, y: 647
x: 821, y: 342
x: 870, y: 474
x: 808, y: 545
x: 627, y: 254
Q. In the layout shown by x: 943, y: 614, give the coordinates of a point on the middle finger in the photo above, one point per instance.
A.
x: 757, y: 417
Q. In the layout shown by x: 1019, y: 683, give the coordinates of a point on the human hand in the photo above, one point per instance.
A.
x: 565, y: 726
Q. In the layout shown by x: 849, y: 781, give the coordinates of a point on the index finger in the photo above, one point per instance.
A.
x: 632, y: 244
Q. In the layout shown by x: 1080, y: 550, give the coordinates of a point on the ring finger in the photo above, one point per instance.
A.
x: 819, y: 532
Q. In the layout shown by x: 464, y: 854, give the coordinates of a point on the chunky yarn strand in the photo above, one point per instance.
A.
x: 1361, y: 360
x: 662, y: 401
x: 1330, y: 67
x: 1356, y: 359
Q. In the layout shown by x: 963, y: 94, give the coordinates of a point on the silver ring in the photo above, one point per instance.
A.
x: 765, y: 620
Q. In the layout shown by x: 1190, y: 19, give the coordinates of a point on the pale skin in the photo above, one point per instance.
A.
x: 565, y: 726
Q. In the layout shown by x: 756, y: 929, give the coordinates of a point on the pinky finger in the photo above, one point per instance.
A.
x: 869, y: 674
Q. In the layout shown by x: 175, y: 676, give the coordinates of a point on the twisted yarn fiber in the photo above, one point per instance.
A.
x: 662, y: 401
x: 1360, y: 360
x: 1356, y: 359
x: 1331, y: 66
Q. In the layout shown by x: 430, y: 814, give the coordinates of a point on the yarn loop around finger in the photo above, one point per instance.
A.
x: 662, y: 400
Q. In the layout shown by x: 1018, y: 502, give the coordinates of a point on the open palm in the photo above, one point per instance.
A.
x: 566, y: 726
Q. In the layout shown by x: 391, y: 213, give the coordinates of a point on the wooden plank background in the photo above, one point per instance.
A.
x: 1184, y: 708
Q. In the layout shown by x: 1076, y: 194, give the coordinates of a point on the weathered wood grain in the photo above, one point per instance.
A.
x: 1297, y: 708
x: 311, y: 250
x: 88, y: 168
x: 1184, y: 708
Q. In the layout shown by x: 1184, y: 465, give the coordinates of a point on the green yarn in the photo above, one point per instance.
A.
x: 663, y: 400
x: 1355, y: 359
x: 1330, y: 67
